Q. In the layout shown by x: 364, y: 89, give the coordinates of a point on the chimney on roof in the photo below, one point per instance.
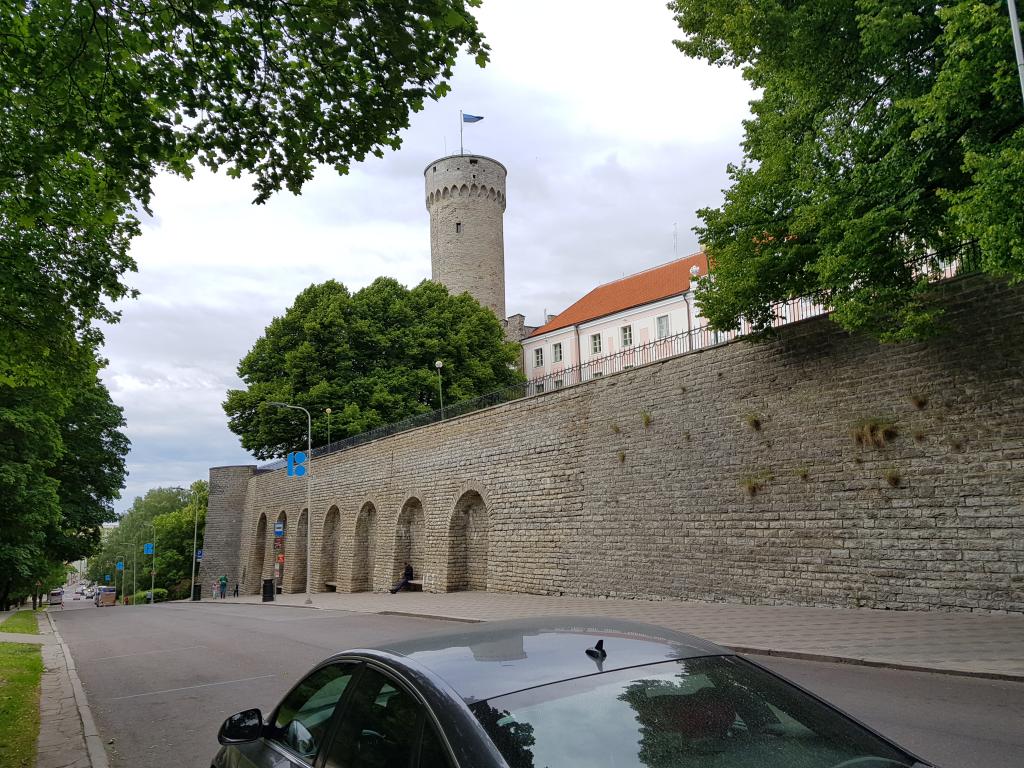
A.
x: 549, y: 318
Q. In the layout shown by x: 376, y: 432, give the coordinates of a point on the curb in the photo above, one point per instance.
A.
x: 876, y: 663
x: 93, y: 743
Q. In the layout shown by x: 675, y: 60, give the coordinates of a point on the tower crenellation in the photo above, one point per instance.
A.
x: 465, y: 196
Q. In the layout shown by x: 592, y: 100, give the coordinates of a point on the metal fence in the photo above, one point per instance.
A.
x: 934, y: 267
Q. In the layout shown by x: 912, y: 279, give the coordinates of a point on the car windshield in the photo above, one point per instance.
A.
x: 711, y: 712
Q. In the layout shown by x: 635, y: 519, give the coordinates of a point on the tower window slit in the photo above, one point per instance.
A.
x: 458, y: 228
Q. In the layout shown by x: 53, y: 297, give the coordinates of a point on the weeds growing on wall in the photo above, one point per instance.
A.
x: 874, y: 433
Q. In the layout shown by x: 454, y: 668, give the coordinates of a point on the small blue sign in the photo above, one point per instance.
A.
x: 279, y: 529
x: 120, y: 565
x: 147, y: 549
x: 199, y: 554
x: 106, y: 577
x: 295, y: 464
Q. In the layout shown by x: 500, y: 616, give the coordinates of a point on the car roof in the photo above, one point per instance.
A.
x: 495, y: 658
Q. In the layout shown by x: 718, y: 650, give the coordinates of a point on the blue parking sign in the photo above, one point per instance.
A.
x: 106, y: 577
x: 120, y: 565
x: 147, y: 549
x: 199, y: 554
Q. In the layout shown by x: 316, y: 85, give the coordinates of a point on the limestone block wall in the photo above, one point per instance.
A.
x: 465, y: 195
x: 229, y: 487
x: 817, y: 468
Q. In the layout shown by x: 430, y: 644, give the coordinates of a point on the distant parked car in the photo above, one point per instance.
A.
x: 573, y: 692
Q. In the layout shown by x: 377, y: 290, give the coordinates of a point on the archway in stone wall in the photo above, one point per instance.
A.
x: 329, y: 551
x: 467, y: 544
x: 364, y: 549
x: 278, y: 550
x: 257, y: 553
x: 410, y: 539
x: 298, y: 580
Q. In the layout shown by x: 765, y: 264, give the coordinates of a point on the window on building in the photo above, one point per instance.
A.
x: 538, y: 358
x: 556, y: 352
x: 559, y: 383
x: 458, y: 227
x: 595, y: 343
x: 598, y: 374
x: 627, y: 335
x: 539, y: 388
x: 662, y: 326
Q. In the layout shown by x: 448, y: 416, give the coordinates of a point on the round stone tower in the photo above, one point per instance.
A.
x: 466, y: 201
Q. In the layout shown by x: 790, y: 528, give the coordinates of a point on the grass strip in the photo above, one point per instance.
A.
x: 21, y: 668
x: 22, y: 622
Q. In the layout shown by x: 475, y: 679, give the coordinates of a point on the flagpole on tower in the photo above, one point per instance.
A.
x: 461, y: 121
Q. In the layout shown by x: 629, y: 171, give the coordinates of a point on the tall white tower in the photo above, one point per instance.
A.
x: 466, y: 202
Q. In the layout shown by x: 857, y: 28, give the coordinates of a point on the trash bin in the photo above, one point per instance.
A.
x: 197, y: 591
x: 268, y: 590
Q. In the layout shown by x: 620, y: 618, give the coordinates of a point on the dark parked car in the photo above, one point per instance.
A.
x: 551, y: 693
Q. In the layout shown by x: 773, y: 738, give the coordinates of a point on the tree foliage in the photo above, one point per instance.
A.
x: 369, y: 357
x: 170, y: 514
x: 97, y: 98
x: 884, y: 131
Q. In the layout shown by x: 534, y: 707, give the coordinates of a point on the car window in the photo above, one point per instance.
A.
x: 302, y: 719
x: 379, y: 727
x: 710, y: 712
x: 432, y: 751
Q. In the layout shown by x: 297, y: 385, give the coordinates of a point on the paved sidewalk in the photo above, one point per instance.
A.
x: 984, y: 645
x: 64, y: 718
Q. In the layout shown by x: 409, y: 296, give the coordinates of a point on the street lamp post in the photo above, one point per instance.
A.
x: 309, y: 488
x: 1015, y: 29
x: 124, y: 563
x: 152, y: 570
x: 440, y: 393
x: 195, y: 534
x: 328, y: 412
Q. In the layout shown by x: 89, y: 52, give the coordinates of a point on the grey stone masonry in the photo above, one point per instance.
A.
x: 224, y: 517
x: 816, y: 468
x: 465, y: 195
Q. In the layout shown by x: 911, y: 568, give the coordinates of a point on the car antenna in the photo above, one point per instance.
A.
x: 597, y: 653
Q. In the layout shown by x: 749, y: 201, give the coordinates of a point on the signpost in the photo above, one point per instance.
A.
x: 106, y: 577
x: 199, y: 554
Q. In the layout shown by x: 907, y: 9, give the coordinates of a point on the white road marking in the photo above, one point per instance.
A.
x: 144, y: 653
x: 190, y: 687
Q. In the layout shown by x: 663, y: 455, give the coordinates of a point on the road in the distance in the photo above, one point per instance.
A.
x: 161, y: 679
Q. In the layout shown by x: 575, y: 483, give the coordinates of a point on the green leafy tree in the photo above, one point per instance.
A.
x: 174, y: 539
x: 99, y: 97
x: 369, y: 356
x: 884, y: 131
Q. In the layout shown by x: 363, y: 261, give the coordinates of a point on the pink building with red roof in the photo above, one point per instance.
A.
x: 638, y: 311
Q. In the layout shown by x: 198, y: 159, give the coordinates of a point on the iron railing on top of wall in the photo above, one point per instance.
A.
x: 936, y: 267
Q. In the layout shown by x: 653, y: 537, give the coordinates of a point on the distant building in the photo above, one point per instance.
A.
x: 632, y: 312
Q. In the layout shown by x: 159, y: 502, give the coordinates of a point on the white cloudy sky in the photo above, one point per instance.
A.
x: 610, y: 136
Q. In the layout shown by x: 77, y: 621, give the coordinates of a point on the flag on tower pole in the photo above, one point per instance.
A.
x: 466, y: 119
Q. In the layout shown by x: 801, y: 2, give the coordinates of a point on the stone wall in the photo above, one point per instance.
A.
x: 817, y: 469
x: 224, y: 523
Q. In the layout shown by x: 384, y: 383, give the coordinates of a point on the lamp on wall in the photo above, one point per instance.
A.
x: 439, y: 365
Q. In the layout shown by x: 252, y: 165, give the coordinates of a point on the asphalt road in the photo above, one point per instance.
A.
x: 161, y: 679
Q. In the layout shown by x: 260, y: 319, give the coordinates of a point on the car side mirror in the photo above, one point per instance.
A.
x: 240, y: 728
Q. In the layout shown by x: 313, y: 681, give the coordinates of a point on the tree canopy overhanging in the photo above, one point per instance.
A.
x: 368, y: 356
x: 95, y: 100
x: 883, y: 131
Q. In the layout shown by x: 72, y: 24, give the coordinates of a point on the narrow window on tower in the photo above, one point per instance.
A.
x: 458, y: 228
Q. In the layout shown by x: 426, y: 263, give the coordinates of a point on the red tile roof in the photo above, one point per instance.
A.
x: 651, y: 285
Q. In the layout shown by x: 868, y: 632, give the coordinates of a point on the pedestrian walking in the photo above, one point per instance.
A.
x: 213, y: 590
x: 236, y: 590
x: 223, y: 586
